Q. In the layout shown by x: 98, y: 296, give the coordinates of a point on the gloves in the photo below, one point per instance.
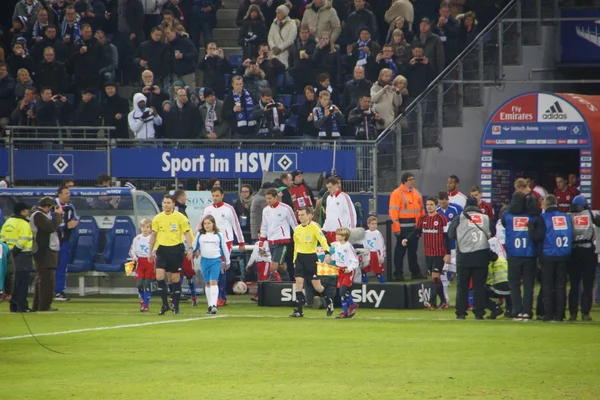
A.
x: 146, y: 114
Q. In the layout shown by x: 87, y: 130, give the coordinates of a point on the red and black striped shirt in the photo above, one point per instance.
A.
x: 565, y: 198
x: 436, y: 241
x: 486, y: 208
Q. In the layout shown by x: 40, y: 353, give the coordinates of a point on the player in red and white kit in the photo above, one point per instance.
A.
x: 339, y: 210
x: 485, y: 207
x: 261, y: 255
x: 144, y: 271
x: 278, y: 223
x: 229, y: 225
x: 454, y: 195
x: 564, y: 193
x: 376, y: 245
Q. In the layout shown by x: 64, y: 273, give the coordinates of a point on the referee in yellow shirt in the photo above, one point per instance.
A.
x: 168, y: 229
x: 306, y: 236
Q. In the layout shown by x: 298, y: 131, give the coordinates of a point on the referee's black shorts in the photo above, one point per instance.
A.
x: 170, y: 258
x: 306, y: 266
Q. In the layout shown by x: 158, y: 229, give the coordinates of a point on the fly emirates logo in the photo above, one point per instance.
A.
x: 516, y: 114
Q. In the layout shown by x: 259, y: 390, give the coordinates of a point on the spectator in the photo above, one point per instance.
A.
x: 242, y: 209
x: 419, y: 71
x: 84, y: 10
x: 302, y: 66
x: 324, y: 83
x: 70, y: 31
x: 244, y: 9
x: 130, y: 32
x: 212, y: 183
x: 448, y: 30
x: 400, y: 47
x: 355, y: 89
x: 215, y: 66
x: 87, y: 59
x: 282, y: 34
x: 302, y: 195
x: 152, y: 55
x: 169, y: 20
x: 152, y: 10
x: 212, y: 125
x: 424, y: 9
x: 7, y: 95
x: 386, y: 98
x: 111, y: 58
x: 385, y: 59
x: 28, y: 9
x: 153, y: 92
x: 321, y: 17
x: 270, y: 116
x: 45, y: 252
x: 400, y: 84
x: 183, y: 119
x: 357, y: 20
x: 115, y: 110
x: 468, y: 30
x: 272, y: 67
x: 257, y: 206
x: 283, y: 184
x: 305, y: 115
x: 24, y: 81
x: 399, y: 23
x: 253, y: 31
x: 24, y: 114
x: 89, y: 112
x: 327, y: 59
x: 99, y: 16
x: 254, y: 80
x: 52, y: 109
x: 179, y: 11
x: 363, y: 120
x: 363, y: 53
x: 52, y: 73
x: 50, y: 40
x: 59, y: 8
x: 237, y: 110
x: 183, y: 56
x: 327, y: 117
x: 432, y: 45
x: 18, y: 30
x: 456, y: 7
x: 204, y: 20
x: 192, y: 97
x: 20, y: 59
x: 143, y: 120
x: 39, y: 26
x: 401, y: 9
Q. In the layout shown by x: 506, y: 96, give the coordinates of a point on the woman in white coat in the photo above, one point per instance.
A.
x: 282, y: 34
x: 385, y: 98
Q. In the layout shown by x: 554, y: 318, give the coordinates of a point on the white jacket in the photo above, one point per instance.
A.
x: 283, y: 36
x: 227, y: 221
x: 374, y: 243
x: 212, y: 246
x: 142, y: 128
x: 260, y: 254
x: 276, y: 223
x: 339, y: 213
x: 140, y: 247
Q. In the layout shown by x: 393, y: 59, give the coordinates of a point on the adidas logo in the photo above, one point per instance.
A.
x: 554, y: 112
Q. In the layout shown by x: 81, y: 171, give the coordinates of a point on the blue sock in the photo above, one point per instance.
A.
x: 345, y: 305
x: 470, y: 297
x: 222, y: 285
x: 349, y: 300
x: 364, y: 278
x: 148, y: 295
x: 192, y: 286
x: 380, y: 278
x: 141, y: 293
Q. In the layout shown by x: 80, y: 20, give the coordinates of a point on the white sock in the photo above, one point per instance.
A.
x: 208, y: 294
x: 214, y: 295
x: 444, y: 280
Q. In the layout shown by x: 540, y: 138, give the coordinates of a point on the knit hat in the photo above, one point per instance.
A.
x: 178, y: 83
x: 471, y: 202
x: 208, y: 92
x: 296, y: 172
x: 426, y: 20
x: 19, y: 207
x: 284, y: 10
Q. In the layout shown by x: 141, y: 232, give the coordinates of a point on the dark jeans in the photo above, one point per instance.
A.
x: 521, y: 271
x: 43, y: 291
x: 19, y: 302
x: 479, y: 276
x: 582, y: 268
x: 554, y: 285
x: 400, y: 251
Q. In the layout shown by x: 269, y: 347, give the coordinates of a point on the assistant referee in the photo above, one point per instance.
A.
x: 168, y: 229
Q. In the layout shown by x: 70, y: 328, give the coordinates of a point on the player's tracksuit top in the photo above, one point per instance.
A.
x: 226, y: 219
x: 374, y: 242
x: 140, y: 247
x: 340, y: 212
x: 278, y: 221
x: 211, y: 246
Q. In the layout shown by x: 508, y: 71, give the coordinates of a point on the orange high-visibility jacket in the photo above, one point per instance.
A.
x: 406, y: 207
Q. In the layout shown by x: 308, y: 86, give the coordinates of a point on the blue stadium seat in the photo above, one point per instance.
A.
x: 281, y: 81
x: 227, y: 80
x: 70, y: 98
x: 84, y: 245
x: 235, y: 60
x: 118, y: 242
x: 291, y: 126
x: 300, y: 99
x: 286, y: 100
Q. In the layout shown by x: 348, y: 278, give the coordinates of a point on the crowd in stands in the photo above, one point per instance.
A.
x: 305, y: 67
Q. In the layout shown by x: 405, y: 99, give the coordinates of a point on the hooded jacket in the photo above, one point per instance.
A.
x: 322, y: 19
x: 282, y: 35
x: 142, y: 122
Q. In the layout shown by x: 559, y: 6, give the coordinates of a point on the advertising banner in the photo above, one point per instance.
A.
x: 580, y: 40
x: 59, y: 164
x: 417, y: 294
x: 224, y: 163
x: 4, y: 162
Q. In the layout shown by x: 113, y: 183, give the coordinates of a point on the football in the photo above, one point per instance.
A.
x: 240, y: 287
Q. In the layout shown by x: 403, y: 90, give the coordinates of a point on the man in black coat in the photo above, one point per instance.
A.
x: 152, y: 55
x: 88, y: 60
x: 355, y: 89
x: 52, y: 73
x: 215, y: 66
x: 115, y: 110
x: 50, y: 40
x: 183, y: 57
x: 182, y: 118
x: 448, y: 29
x: 89, y: 112
x: 52, y: 109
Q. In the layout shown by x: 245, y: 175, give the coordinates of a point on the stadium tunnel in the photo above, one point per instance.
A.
x: 540, y: 135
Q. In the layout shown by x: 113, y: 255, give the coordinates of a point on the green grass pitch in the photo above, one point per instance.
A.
x: 254, y: 352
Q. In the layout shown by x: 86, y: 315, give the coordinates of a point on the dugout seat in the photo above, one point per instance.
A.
x: 118, y: 243
x: 84, y: 245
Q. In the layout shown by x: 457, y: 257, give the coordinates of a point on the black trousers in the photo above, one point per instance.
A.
x: 521, y: 271
x: 554, y: 285
x: 19, y: 303
x: 479, y: 276
x: 582, y: 268
x: 410, y: 251
x: 493, y: 292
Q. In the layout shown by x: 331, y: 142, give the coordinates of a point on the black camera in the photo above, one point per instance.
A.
x: 146, y: 114
x: 266, y: 54
x: 331, y: 109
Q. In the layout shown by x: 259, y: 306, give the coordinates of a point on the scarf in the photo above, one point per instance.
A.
x: 209, y: 123
x: 76, y: 33
x: 37, y: 29
x: 366, y: 130
x: 383, y: 84
x: 246, y: 202
x: 335, y: 131
x: 391, y: 65
x: 264, y: 127
x: 244, y: 117
x: 361, y: 54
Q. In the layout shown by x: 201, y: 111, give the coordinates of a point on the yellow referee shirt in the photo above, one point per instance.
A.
x: 170, y: 228
x: 306, y: 238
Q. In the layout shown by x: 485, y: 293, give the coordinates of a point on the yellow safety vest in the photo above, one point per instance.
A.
x: 497, y: 272
x: 16, y: 232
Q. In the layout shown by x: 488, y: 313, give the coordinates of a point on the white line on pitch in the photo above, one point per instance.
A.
x: 107, y: 328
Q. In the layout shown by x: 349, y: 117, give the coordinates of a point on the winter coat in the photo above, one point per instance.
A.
x: 88, y: 64
x: 451, y: 32
x: 401, y: 8
x: 110, y: 56
x: 256, y: 208
x: 61, y: 53
x: 15, y: 63
x: 221, y: 127
x: 200, y: 16
x: 418, y: 77
x: 182, y: 123
x: 242, y: 13
x: 7, y: 96
x: 385, y: 102
x: 327, y: 61
x: 363, y: 126
x: 130, y: 17
x: 21, y: 87
x: 89, y: 113
x: 112, y: 106
x: 371, y: 71
x: 22, y: 10
x: 433, y: 49
x: 53, y: 113
x: 46, y: 243
x: 215, y: 68
x: 305, y: 126
x: 353, y: 90
x: 52, y: 75
x: 303, y: 70
x: 282, y: 36
x: 155, y: 53
x: 356, y: 21
x: 265, y: 121
x: 248, y: 42
x: 323, y: 19
x: 187, y: 64
x: 143, y: 123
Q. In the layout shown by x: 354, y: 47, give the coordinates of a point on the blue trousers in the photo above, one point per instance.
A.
x: 60, y: 274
